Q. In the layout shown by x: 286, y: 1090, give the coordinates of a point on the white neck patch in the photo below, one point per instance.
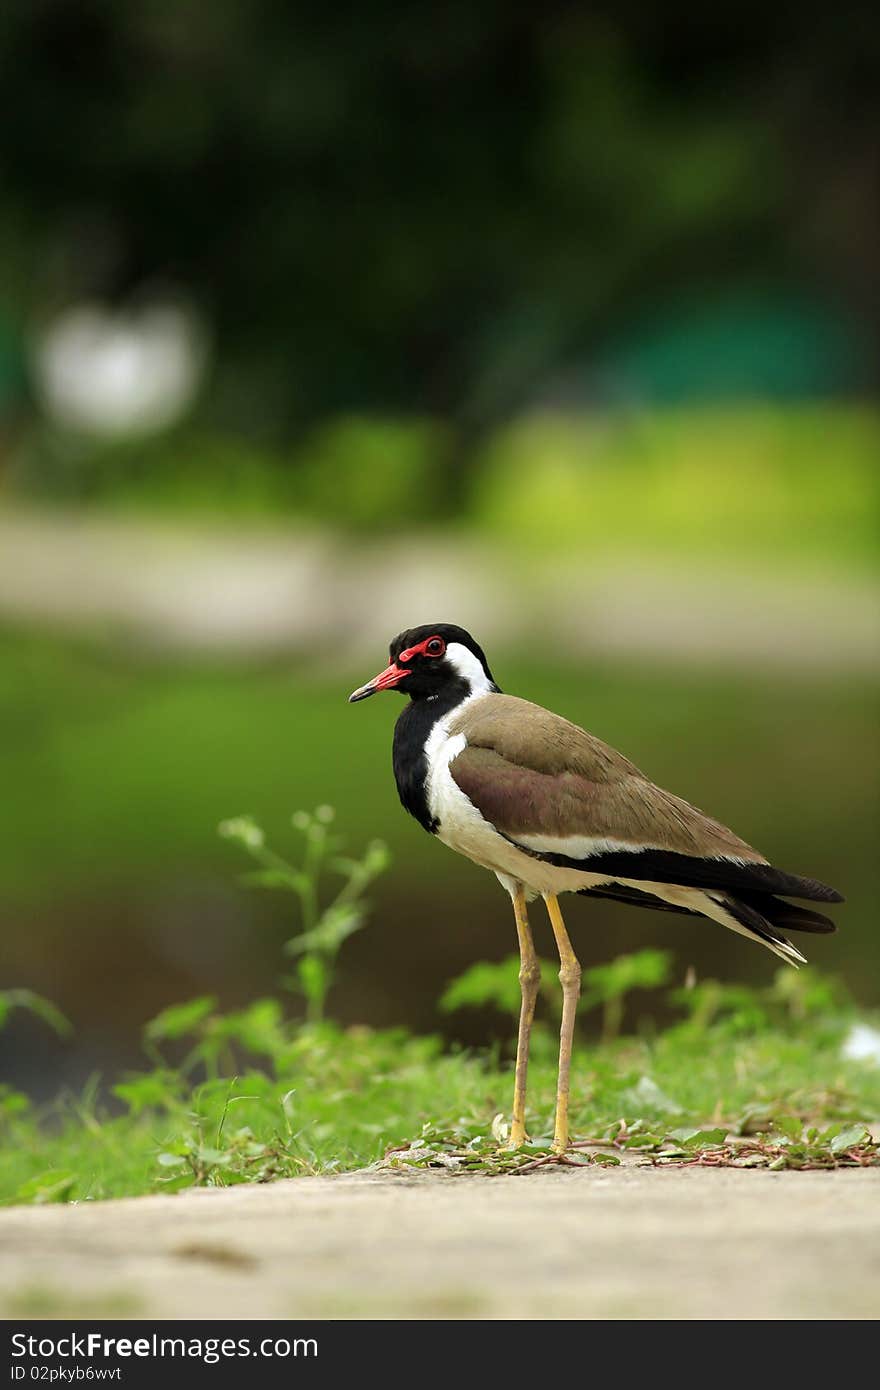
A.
x: 467, y: 666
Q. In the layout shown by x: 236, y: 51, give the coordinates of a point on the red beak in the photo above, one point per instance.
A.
x: 386, y: 680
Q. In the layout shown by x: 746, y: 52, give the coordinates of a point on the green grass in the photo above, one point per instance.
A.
x: 786, y: 487
x: 281, y: 1099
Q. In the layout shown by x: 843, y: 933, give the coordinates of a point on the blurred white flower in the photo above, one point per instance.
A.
x: 118, y: 373
x: 245, y: 830
x: 862, y: 1043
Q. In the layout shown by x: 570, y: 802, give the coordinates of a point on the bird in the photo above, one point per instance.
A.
x: 551, y: 809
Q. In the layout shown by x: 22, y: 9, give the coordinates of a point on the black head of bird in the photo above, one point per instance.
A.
x: 436, y: 659
x: 552, y: 809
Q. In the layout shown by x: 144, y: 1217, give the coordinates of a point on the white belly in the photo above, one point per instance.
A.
x: 463, y: 828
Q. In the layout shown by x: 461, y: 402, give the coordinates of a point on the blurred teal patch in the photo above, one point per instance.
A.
x: 740, y: 347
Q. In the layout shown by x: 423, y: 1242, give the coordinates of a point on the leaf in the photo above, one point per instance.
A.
x: 639, y: 970
x: 485, y: 982
x: 259, y: 1027
x: 170, y: 1160
x: 738, y: 1009
x: 850, y: 1138
x: 339, y: 922
x: 180, y: 1019
x: 492, y: 983
x: 151, y: 1090
x: 54, y: 1186
x: 699, y: 1138
x: 36, y: 1004
x: 647, y: 1094
x: 213, y: 1157
x: 754, y: 1122
x: 643, y: 1140
x: 377, y: 858
x: 789, y: 1125
x: 12, y: 1102
x: 177, y: 1182
x: 312, y: 975
x: 276, y: 878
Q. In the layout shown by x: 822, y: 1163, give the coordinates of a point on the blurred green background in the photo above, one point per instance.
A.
x: 316, y: 324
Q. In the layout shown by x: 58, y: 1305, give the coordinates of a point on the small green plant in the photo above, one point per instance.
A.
x: 607, y: 986
x: 44, y: 1009
x: 791, y: 1000
x: 746, y: 1078
x: 56, y: 1184
x: 495, y: 984
x: 322, y: 928
x: 215, y: 1040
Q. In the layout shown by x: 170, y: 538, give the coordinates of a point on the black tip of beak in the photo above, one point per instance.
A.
x: 363, y: 693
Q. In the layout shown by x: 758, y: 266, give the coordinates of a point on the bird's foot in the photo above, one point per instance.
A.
x: 517, y: 1136
x: 513, y: 1144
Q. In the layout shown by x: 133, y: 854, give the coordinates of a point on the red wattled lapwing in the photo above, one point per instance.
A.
x: 551, y: 809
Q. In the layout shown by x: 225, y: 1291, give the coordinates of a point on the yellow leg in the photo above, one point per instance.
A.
x: 570, y: 978
x: 529, y: 980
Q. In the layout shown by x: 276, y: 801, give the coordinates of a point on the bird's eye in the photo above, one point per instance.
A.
x: 436, y: 647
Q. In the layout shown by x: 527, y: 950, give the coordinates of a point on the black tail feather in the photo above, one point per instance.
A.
x: 787, y: 916
x: 621, y: 893
x: 760, y: 910
x: 737, y: 876
x: 757, y: 925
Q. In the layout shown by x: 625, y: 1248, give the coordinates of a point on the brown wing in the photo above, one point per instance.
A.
x: 566, y: 797
x: 630, y: 811
x: 532, y: 737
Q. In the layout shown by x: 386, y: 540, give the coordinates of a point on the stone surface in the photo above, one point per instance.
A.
x: 558, y: 1243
